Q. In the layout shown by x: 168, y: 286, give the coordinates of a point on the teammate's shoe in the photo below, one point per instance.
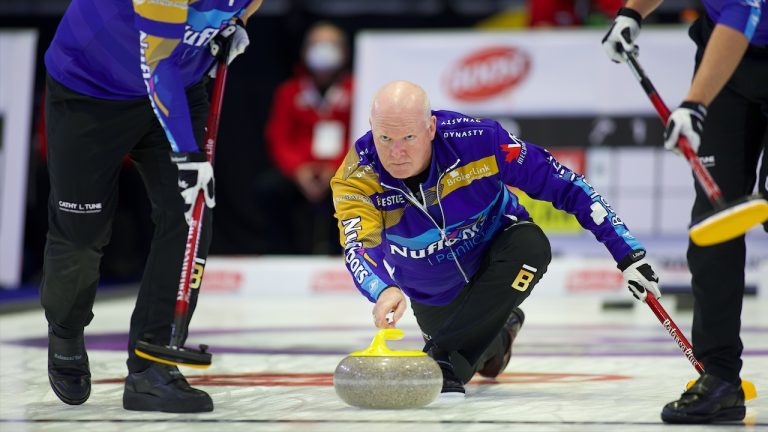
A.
x: 496, y: 364
x: 452, y: 385
x: 68, y: 370
x: 162, y: 387
x: 709, y: 400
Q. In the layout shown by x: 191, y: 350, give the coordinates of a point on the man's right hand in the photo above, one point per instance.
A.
x: 390, y: 300
x: 622, y: 34
x: 195, y: 175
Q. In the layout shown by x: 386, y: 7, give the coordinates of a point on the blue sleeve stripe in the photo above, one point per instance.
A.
x: 160, y: 29
x: 372, y: 284
x: 380, y: 285
x: 168, y: 133
x: 578, y: 181
x: 366, y: 279
x: 632, y: 242
x: 752, y: 21
x: 506, y: 197
x: 161, y: 119
x: 621, y: 230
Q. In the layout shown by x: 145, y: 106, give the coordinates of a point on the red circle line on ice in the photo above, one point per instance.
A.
x: 326, y: 379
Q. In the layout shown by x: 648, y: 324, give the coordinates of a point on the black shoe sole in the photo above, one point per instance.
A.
x: 146, y: 402
x: 67, y: 400
x: 724, y: 415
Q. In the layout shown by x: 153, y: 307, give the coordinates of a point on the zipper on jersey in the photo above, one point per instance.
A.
x: 442, y: 213
x: 422, y: 206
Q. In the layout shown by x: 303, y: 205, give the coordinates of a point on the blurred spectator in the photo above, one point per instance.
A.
x: 572, y: 12
x: 307, y: 140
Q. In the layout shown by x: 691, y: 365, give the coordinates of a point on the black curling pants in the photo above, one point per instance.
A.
x: 733, y: 138
x: 88, y: 139
x: 471, y: 327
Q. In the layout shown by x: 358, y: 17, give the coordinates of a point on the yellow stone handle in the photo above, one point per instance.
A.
x: 379, y: 348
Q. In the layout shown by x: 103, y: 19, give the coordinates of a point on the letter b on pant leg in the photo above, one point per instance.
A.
x: 524, y: 278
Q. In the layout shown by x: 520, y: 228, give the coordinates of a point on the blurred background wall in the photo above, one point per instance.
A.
x: 241, y: 221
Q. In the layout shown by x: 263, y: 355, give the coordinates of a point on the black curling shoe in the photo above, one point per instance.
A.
x: 68, y: 370
x: 496, y: 364
x: 163, y: 388
x: 452, y: 385
x: 709, y: 400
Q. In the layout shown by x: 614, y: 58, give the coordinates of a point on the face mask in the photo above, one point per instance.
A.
x: 323, y: 57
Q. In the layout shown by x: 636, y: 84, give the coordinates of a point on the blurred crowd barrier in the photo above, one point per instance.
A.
x: 536, y: 83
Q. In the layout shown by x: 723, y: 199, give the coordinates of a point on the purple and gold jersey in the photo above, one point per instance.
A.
x: 432, y: 248
x: 749, y: 17
x: 118, y: 49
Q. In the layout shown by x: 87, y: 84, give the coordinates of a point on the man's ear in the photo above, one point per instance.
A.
x: 432, y: 127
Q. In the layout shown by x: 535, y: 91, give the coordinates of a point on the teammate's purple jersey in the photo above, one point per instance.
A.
x: 105, y: 49
x: 749, y: 17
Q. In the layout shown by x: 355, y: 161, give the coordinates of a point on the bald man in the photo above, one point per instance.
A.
x: 425, y: 211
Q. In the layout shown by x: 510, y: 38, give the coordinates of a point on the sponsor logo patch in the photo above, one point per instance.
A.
x: 457, y: 241
x: 464, y: 175
x: 486, y: 73
x: 388, y: 200
x: 353, y: 249
x: 516, y: 150
x: 512, y: 151
x: 463, y: 134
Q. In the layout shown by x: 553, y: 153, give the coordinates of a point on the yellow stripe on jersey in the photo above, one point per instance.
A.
x: 393, y: 217
x: 160, y: 104
x: 352, y: 187
x: 157, y: 49
x: 464, y: 175
x: 370, y: 260
x: 166, y: 11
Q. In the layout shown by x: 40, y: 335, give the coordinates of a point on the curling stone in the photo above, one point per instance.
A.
x: 378, y: 377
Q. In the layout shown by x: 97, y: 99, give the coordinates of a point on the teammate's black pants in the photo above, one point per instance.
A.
x: 733, y: 138
x: 88, y: 138
x: 470, y: 328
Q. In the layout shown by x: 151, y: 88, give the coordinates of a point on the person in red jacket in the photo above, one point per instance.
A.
x: 307, y: 137
x: 558, y: 13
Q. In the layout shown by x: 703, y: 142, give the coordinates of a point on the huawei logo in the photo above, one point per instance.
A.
x: 487, y: 73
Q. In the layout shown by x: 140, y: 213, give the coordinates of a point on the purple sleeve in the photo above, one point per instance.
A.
x: 535, y: 171
x: 740, y: 15
x: 159, y: 41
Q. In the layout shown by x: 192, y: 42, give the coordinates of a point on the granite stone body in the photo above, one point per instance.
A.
x: 384, y: 382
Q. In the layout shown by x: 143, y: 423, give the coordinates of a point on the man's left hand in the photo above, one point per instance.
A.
x: 688, y: 121
x: 237, y: 35
x: 639, y: 276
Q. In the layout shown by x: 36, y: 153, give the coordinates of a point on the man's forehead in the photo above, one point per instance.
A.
x: 398, y: 122
x: 397, y: 130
